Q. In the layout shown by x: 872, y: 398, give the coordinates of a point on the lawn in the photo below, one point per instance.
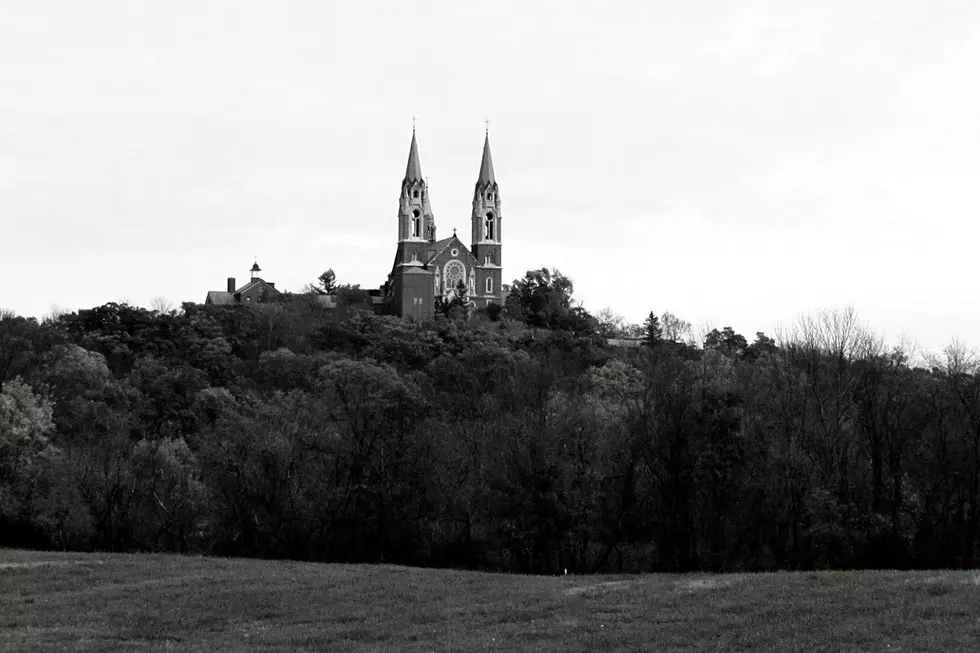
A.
x: 101, y: 602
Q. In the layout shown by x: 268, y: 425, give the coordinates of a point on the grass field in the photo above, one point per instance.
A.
x: 83, y: 602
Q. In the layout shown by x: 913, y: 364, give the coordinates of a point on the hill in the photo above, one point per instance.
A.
x: 118, y: 602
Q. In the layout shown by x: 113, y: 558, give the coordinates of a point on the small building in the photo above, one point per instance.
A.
x: 256, y: 290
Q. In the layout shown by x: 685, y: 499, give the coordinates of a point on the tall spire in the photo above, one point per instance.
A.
x: 413, y: 172
x: 486, y: 167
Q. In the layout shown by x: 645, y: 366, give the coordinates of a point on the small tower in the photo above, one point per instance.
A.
x: 255, y: 270
x: 416, y: 223
x: 486, y: 232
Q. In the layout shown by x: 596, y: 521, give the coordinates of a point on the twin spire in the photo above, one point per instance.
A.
x: 413, y: 171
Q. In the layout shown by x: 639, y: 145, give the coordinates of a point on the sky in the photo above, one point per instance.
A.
x: 735, y: 163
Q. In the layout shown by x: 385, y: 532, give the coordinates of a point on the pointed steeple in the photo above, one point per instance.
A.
x: 415, y: 219
x: 413, y: 172
x: 486, y: 167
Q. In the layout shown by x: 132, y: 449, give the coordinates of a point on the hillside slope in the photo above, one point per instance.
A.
x: 100, y: 602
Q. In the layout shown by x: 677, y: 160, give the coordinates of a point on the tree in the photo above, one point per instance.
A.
x: 652, y: 331
x: 25, y: 424
x: 610, y: 324
x: 161, y: 304
x: 351, y: 295
x: 16, y: 346
x: 494, y: 310
x: 726, y: 341
x: 762, y: 344
x: 458, y: 307
x: 328, y: 282
x: 674, y: 328
x: 541, y: 299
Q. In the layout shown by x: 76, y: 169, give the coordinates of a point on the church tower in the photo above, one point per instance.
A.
x: 486, y: 232
x: 410, y: 284
x: 415, y: 221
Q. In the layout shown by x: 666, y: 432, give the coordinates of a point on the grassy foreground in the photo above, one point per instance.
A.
x: 82, y: 602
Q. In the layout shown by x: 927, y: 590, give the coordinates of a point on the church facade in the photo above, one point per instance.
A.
x: 427, y: 268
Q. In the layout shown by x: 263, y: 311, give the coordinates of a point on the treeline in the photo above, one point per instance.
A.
x: 524, y: 444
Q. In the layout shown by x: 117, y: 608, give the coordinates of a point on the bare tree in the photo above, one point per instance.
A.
x: 162, y: 305
x: 674, y: 328
x: 610, y: 323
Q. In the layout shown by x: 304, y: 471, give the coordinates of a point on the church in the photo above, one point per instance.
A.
x: 426, y: 268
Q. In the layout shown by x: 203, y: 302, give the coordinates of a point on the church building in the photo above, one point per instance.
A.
x: 426, y: 268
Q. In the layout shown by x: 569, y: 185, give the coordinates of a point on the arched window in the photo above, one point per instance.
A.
x: 416, y: 224
x: 489, y: 285
x: 488, y: 227
x: 415, y: 194
x: 454, y: 273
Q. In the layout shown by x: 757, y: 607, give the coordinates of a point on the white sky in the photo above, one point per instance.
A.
x: 736, y: 163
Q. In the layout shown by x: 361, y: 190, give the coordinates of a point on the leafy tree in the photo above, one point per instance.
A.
x: 494, y: 311
x: 726, y: 341
x: 16, y: 344
x: 543, y: 298
x: 762, y: 345
x: 328, y: 281
x: 458, y: 307
x: 25, y: 424
x: 350, y: 296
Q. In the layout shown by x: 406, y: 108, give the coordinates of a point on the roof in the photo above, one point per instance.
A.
x: 413, y: 171
x: 255, y: 267
x: 440, y: 246
x: 486, y: 166
x: 220, y: 298
x: 254, y: 282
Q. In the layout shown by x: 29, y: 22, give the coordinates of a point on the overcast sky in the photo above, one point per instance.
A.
x: 735, y: 163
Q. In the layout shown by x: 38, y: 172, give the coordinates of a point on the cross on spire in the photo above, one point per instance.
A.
x: 413, y: 124
x: 486, y: 121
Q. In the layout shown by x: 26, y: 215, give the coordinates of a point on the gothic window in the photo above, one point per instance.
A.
x: 415, y: 194
x: 486, y: 260
x: 488, y: 226
x: 489, y: 285
x: 416, y: 224
x: 454, y: 273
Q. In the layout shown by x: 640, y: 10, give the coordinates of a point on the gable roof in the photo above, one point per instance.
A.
x: 255, y: 282
x: 220, y: 298
x: 442, y: 245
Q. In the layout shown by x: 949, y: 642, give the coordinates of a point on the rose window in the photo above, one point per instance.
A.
x: 454, y: 273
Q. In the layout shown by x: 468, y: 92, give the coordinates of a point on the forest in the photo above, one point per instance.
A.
x: 519, y: 440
